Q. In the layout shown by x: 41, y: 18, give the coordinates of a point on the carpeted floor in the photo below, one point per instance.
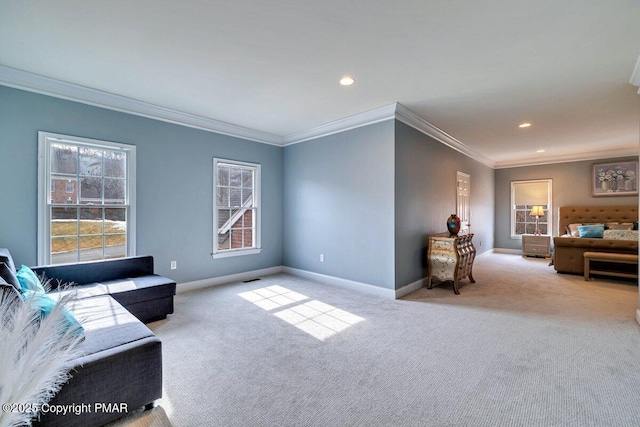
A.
x: 523, y: 346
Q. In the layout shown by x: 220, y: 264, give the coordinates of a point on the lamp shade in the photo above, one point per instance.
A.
x: 537, y: 211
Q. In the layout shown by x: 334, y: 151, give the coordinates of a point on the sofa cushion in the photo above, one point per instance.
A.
x: 127, y: 290
x: 5, y: 256
x: 130, y: 281
x: 97, y: 271
x: 85, y: 291
x: 9, y: 275
x: 121, y: 361
x: 135, y: 289
x: 106, y: 323
x: 7, y: 290
x: 43, y: 303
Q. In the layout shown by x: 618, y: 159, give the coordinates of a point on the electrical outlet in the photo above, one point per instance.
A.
x: 321, y: 257
x: 174, y: 265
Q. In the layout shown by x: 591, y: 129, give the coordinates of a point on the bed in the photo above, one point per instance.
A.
x: 617, y: 238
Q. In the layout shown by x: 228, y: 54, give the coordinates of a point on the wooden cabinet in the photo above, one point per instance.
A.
x: 536, y: 245
x: 450, y: 258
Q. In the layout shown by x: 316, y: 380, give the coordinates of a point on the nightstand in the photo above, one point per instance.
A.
x: 536, y: 245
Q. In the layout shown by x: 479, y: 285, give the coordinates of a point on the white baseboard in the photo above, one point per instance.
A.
x: 323, y: 278
x: 221, y: 280
x: 507, y: 251
x: 487, y: 252
x: 343, y: 283
x: 411, y: 287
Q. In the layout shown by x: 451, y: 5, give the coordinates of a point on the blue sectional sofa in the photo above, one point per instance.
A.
x: 130, y: 281
x: 122, y: 358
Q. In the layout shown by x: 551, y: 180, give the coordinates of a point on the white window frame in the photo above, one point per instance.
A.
x: 45, y: 139
x: 463, y: 200
x: 257, y: 209
x: 549, y: 209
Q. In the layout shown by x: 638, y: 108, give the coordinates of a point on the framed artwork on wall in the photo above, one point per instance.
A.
x: 615, y: 179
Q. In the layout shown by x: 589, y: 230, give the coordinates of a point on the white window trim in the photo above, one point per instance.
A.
x: 549, y: 204
x: 44, y: 189
x: 226, y: 253
x: 463, y: 205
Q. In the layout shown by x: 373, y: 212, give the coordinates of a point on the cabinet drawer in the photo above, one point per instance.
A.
x: 536, y: 240
x: 536, y: 249
x: 536, y: 245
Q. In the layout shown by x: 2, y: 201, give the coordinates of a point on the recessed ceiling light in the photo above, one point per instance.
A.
x: 541, y: 150
x: 524, y: 125
x: 347, y: 81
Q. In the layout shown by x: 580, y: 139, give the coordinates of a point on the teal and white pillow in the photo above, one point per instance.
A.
x: 42, y: 302
x: 591, y: 231
x: 29, y: 280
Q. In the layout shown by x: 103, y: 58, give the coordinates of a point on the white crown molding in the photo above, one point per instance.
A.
x: 593, y: 155
x: 410, y: 118
x: 47, y: 86
x: 357, y: 120
x: 393, y: 111
x: 635, y: 76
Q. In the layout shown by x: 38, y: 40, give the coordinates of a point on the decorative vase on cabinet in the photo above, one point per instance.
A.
x: 453, y: 224
x: 450, y: 258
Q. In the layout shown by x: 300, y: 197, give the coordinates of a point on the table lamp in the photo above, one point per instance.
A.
x: 537, y: 211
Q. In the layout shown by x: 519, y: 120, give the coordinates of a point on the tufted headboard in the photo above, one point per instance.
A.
x: 589, y: 214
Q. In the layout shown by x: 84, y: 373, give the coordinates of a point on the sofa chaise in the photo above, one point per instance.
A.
x: 120, y: 369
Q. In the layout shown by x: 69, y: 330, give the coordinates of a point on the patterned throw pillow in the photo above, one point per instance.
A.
x: 621, y: 234
x: 573, y: 230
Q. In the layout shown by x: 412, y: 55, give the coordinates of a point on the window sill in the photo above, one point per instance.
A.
x: 239, y: 252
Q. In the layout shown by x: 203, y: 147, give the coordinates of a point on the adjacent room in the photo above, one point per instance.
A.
x: 319, y: 213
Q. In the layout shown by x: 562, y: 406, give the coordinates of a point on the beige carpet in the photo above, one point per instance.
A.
x: 523, y: 346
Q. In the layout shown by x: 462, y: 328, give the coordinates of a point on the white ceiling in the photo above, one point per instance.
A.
x: 474, y: 69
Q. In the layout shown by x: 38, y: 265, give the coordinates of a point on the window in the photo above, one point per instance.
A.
x: 463, y: 204
x: 236, y: 213
x: 524, y: 196
x: 88, y: 213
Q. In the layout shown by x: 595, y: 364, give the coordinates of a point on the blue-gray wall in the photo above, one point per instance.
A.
x: 365, y: 198
x: 571, y: 187
x: 174, y: 182
x: 425, y: 196
x: 338, y: 201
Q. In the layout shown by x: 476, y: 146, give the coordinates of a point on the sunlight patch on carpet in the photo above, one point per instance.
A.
x: 272, y: 297
x: 316, y: 318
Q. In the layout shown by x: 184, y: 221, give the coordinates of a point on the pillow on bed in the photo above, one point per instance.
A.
x: 573, y: 230
x: 621, y: 234
x: 594, y: 231
x: 623, y: 226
